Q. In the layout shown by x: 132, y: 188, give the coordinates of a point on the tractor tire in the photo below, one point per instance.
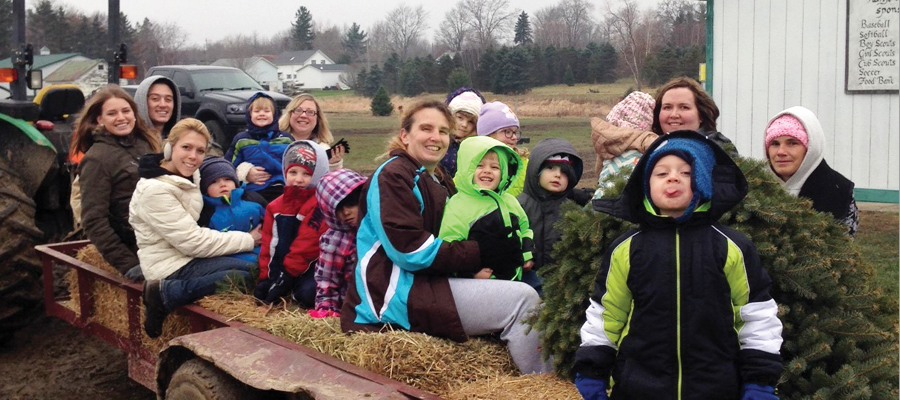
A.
x: 220, y: 142
x: 20, y: 268
x: 198, y: 379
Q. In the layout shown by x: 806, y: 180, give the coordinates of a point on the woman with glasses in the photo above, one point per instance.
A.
x: 304, y: 120
x: 498, y: 121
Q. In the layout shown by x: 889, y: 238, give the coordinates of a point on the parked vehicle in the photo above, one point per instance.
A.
x: 215, y: 95
x: 220, y: 358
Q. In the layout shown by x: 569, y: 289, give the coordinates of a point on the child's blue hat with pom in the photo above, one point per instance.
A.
x: 702, y: 160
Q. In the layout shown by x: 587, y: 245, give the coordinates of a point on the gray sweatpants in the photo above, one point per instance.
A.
x: 488, y: 305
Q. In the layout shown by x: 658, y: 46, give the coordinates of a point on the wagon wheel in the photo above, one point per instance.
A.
x: 197, y: 379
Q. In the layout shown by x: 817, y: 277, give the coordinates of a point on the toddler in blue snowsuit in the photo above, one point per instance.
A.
x: 227, y: 207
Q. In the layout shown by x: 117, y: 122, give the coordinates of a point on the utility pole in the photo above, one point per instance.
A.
x: 113, y: 50
x: 17, y: 87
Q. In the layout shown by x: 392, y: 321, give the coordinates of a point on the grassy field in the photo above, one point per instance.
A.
x: 878, y: 240
x: 368, y: 137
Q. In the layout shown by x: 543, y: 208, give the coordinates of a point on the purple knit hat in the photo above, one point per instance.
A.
x: 787, y: 125
x: 635, y: 111
x: 494, y: 117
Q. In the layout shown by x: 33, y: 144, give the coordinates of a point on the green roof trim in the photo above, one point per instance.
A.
x: 41, y: 61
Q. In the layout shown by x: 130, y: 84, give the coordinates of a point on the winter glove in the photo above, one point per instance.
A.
x: 499, y: 251
x: 282, y: 285
x: 262, y: 289
x: 323, y: 313
x: 754, y: 391
x: 135, y: 274
x: 591, y: 388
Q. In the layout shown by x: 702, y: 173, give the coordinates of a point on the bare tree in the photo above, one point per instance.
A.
x: 683, y: 22
x: 328, y: 40
x: 634, y: 38
x: 403, y: 26
x: 577, y: 16
x: 489, y: 19
x: 171, y: 38
x: 549, y: 27
x: 453, y: 31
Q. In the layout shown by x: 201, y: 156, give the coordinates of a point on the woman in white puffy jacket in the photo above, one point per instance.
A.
x: 181, y: 261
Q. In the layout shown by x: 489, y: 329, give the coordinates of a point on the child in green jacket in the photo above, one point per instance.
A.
x: 483, y: 211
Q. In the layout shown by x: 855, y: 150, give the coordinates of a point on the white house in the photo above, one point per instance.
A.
x: 320, y: 76
x: 47, y: 63
x: 259, y: 68
x: 838, y: 58
x: 293, y: 69
x: 89, y: 75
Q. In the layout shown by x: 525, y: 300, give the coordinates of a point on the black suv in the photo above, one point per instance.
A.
x: 217, y: 96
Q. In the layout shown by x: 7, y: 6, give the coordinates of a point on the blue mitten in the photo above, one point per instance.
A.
x: 753, y: 391
x: 591, y: 388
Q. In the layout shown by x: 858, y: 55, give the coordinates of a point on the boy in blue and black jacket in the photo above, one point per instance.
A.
x: 681, y: 306
x: 227, y: 207
x: 256, y: 153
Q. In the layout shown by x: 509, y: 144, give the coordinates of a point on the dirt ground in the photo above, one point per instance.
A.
x: 52, y: 360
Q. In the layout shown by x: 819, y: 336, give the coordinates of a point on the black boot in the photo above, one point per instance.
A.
x: 154, y: 309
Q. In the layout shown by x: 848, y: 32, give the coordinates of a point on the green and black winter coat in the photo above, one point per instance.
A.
x: 681, y: 310
x: 477, y: 212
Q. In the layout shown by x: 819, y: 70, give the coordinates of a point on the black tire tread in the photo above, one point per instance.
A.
x: 20, y: 267
x: 197, y: 379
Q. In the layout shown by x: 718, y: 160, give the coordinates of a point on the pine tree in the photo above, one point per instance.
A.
x: 569, y: 77
x: 302, y: 33
x: 354, y: 43
x: 484, y: 75
x: 607, y: 63
x: 840, y: 338
x: 510, y: 75
x: 411, y: 80
x: 374, y: 81
x: 391, y: 71
x: 381, y: 104
x: 361, y: 77
x: 523, y: 31
x: 457, y: 79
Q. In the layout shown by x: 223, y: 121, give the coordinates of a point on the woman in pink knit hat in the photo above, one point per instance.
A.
x: 621, y: 139
x: 795, y: 145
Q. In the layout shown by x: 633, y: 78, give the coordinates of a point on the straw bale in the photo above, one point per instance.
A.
x: 506, y: 387
x: 429, y: 363
x: 110, y: 302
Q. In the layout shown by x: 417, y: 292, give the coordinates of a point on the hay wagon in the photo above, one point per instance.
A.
x: 217, y: 358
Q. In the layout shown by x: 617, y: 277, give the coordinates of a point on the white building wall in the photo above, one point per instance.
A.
x: 769, y: 55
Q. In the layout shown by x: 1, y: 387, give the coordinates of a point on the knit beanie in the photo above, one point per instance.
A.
x: 214, y: 168
x: 635, y: 111
x: 495, y: 116
x: 564, y: 163
x: 702, y: 160
x: 787, y: 125
x: 467, y: 102
x: 299, y: 153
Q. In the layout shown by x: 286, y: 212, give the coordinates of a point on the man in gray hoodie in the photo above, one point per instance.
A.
x: 158, y: 103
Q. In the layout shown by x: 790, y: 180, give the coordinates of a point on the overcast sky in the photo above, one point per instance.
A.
x: 212, y: 20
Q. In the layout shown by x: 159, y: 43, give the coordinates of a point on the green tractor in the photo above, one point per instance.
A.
x: 34, y: 179
x: 34, y: 195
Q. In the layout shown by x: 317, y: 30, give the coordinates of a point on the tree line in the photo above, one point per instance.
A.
x: 649, y: 45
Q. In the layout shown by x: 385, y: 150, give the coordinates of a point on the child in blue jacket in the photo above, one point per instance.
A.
x: 681, y: 306
x: 256, y: 153
x: 227, y: 207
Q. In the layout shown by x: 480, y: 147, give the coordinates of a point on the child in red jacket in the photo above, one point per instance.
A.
x: 292, y: 227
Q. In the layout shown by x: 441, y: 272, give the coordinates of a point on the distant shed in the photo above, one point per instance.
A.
x: 768, y: 55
